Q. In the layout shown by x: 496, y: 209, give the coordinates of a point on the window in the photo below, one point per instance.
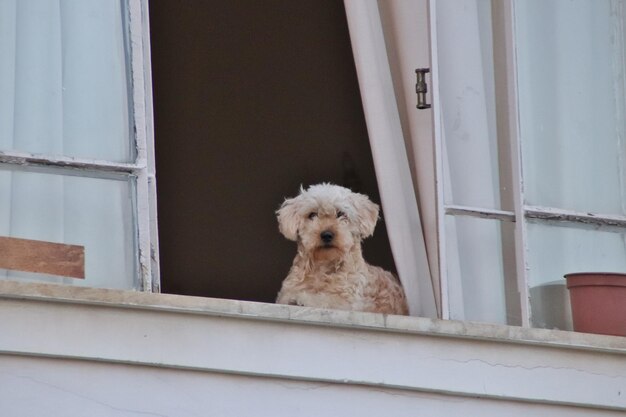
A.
x: 75, y: 173
x: 521, y: 191
x: 525, y: 181
x: 531, y: 153
x: 234, y: 115
x: 252, y: 100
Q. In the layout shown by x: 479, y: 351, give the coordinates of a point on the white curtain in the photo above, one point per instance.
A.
x: 64, y: 91
x: 390, y: 42
x: 391, y: 160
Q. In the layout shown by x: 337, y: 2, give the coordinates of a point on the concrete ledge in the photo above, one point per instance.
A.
x: 274, y: 342
x: 54, y: 293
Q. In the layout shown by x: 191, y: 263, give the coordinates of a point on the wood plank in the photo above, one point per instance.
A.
x: 42, y: 257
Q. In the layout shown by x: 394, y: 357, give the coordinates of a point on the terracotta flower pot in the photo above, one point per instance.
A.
x: 598, y: 302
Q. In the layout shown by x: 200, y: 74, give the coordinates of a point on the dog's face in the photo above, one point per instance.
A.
x: 328, y: 220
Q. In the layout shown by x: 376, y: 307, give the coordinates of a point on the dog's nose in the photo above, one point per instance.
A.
x: 327, y: 236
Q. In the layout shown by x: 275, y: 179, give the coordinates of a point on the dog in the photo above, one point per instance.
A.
x: 329, y: 222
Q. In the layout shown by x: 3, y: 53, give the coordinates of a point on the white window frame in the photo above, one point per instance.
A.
x: 508, y: 132
x: 141, y: 170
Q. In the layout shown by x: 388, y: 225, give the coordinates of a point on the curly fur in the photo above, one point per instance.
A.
x: 329, y: 222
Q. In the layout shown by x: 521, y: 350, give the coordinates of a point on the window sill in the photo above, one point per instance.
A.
x: 270, y: 342
x: 309, y: 316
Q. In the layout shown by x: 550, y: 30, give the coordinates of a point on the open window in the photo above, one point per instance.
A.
x: 531, y: 153
x: 252, y: 101
x: 515, y: 176
x: 527, y: 179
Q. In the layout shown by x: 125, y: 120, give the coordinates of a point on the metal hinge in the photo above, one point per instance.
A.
x: 421, y: 88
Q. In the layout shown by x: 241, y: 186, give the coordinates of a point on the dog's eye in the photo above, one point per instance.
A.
x: 312, y: 215
x: 340, y: 214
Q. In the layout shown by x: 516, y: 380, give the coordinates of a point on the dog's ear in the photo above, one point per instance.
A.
x: 289, y: 218
x: 366, y: 214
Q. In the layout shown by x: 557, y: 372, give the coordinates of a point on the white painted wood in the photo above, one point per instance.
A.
x: 439, y: 165
x: 368, y: 351
x: 508, y: 125
x: 142, y: 113
x: 505, y: 122
x: 482, y: 213
x: 151, y: 164
x: 34, y: 387
x: 618, y: 13
x: 600, y: 221
x: 88, y: 167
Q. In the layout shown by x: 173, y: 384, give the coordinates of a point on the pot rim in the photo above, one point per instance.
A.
x: 592, y: 279
x: 574, y: 274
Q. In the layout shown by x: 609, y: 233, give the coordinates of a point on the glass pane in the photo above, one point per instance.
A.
x: 64, y: 79
x: 88, y: 212
x: 554, y: 251
x: 570, y: 57
x: 467, y: 95
x: 481, y: 270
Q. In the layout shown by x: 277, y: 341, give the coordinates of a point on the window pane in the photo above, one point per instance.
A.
x: 467, y: 91
x: 64, y: 79
x: 570, y: 57
x: 89, y: 212
x: 481, y: 270
x: 554, y: 251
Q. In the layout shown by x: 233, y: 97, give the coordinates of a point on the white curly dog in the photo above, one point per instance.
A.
x: 329, y: 222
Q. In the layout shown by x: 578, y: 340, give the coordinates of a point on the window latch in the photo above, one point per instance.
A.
x: 421, y: 88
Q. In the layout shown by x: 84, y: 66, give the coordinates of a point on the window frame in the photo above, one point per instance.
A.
x: 509, y: 138
x: 141, y: 170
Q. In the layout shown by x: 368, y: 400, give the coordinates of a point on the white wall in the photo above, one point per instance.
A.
x: 46, y: 387
x: 90, y: 352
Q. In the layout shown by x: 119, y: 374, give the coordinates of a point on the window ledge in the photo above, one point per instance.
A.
x: 311, y: 316
x: 267, y: 342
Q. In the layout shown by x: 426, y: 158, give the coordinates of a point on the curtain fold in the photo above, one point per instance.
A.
x: 397, y: 190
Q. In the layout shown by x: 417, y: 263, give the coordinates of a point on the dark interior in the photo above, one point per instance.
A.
x: 252, y: 99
